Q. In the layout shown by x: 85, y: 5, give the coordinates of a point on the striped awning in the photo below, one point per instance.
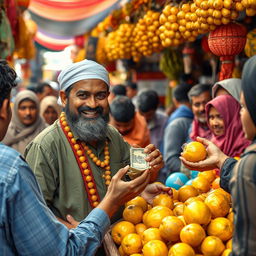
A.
x: 60, y: 21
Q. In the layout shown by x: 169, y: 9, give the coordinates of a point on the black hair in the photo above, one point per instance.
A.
x: 133, y: 86
x: 122, y: 109
x: 148, y: 100
x: 7, y: 80
x: 119, y: 89
x: 180, y: 92
x: 198, y: 89
x: 40, y: 87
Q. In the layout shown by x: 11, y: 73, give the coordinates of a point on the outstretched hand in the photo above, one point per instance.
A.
x: 153, y: 190
x: 215, y: 157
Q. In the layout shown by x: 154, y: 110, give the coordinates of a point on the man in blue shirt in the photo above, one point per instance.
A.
x: 27, y: 226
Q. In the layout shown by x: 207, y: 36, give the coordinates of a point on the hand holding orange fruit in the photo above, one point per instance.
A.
x: 194, y: 151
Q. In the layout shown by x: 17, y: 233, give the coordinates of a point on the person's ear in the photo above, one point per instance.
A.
x: 4, y: 110
x: 63, y: 98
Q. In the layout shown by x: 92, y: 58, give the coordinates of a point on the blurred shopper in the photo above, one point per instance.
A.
x: 44, y: 89
x: 176, y: 132
x: 49, y: 109
x: 131, y: 92
x: 26, y: 122
x: 28, y: 227
x: 116, y: 90
x: 231, y: 86
x: 148, y: 102
x: 238, y: 177
x: 199, y: 95
x: 131, y: 125
x: 223, y: 117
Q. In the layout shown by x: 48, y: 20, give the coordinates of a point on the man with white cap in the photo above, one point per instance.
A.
x: 75, y: 158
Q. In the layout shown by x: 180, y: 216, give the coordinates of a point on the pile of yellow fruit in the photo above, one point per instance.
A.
x: 196, y: 220
x: 146, y: 36
x: 119, y: 43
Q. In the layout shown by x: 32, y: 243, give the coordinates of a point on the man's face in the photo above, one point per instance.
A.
x: 87, y: 109
x: 5, y: 123
x: 216, y: 122
x: 27, y: 112
x: 47, y: 91
x: 249, y: 127
x: 148, y: 115
x: 198, y: 105
x: 123, y: 127
x: 50, y: 115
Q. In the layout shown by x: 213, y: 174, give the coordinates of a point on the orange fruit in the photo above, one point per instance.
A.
x: 136, y: 254
x: 181, y: 249
x: 182, y: 219
x: 194, y: 151
x: 170, y: 228
x: 163, y: 200
x: 139, y: 201
x: 175, y: 194
x: 151, y: 234
x: 216, y: 183
x: 201, y: 184
x: 133, y: 214
x: 226, y: 252
x: 220, y: 227
x: 197, y: 212
x: 155, y: 215
x: 186, y: 192
x: 193, y: 199
x: 178, y: 209
x: 121, y: 252
x: 229, y: 244
x: 140, y: 228
x: 155, y: 248
x: 218, y: 204
x: 192, y: 234
x: 120, y: 230
x: 223, y: 192
x: 212, y: 246
x: 209, y: 175
x: 131, y: 243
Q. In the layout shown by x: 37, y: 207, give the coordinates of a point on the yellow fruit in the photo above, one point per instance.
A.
x: 229, y: 244
x: 155, y: 216
x: 209, y: 175
x: 121, y: 252
x: 223, y: 192
x: 197, y: 212
x: 193, y: 199
x: 201, y: 184
x: 140, y: 228
x: 139, y: 201
x: 216, y: 183
x: 178, y: 209
x: 220, y: 227
x: 131, y: 243
x: 192, y: 234
x: 175, y: 194
x: 218, y: 204
x: 155, y: 248
x: 120, y: 230
x: 218, y: 4
x: 212, y: 246
x: 181, y: 249
x: 151, y: 234
x: 133, y: 214
x: 186, y: 192
x: 194, y: 152
x: 182, y: 219
x: 170, y: 228
x: 250, y: 11
x: 136, y: 254
x: 226, y: 252
x: 163, y: 200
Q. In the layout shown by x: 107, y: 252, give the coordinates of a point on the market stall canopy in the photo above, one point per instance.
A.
x: 60, y: 21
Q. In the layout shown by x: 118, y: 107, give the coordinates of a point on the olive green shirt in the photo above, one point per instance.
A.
x: 51, y: 158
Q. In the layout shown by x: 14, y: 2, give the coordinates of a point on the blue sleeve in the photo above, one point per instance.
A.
x: 35, y: 229
x: 226, y: 173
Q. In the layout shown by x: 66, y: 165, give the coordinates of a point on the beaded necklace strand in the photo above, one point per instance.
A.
x: 81, y: 151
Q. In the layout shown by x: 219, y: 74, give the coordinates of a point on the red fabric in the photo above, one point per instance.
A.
x: 233, y: 141
x: 198, y: 130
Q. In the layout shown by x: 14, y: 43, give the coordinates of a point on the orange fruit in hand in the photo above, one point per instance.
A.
x: 133, y: 214
x: 186, y: 192
x: 163, y: 200
x: 139, y: 201
x: 155, y: 248
x: 181, y: 249
x: 192, y: 234
x: 194, y: 151
x: 120, y: 230
x: 131, y: 243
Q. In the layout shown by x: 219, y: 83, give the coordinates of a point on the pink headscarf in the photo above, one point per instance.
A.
x: 233, y: 141
x: 198, y: 130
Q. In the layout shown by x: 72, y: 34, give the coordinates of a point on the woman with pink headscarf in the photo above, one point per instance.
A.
x: 223, y: 117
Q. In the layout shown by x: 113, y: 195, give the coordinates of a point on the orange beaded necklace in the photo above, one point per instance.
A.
x: 80, y: 150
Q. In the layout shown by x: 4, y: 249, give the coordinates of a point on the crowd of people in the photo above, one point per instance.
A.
x: 64, y: 180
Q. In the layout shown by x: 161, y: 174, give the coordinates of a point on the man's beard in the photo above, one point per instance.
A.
x: 88, y: 129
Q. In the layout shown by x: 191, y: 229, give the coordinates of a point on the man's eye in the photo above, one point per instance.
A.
x: 101, y: 96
